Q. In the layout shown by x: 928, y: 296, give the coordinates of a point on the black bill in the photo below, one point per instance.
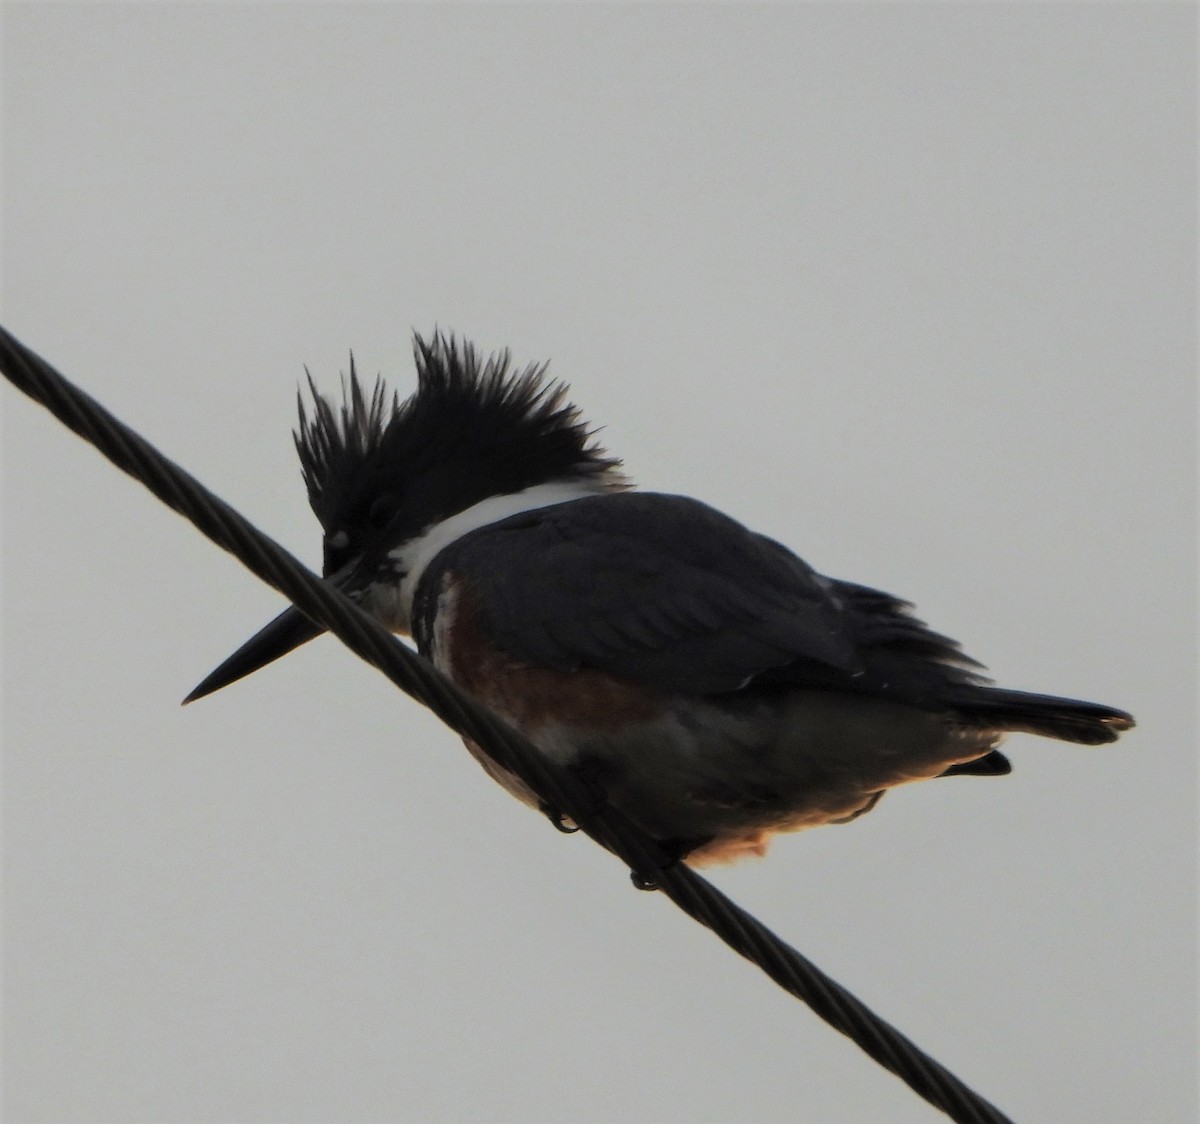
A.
x: 284, y: 634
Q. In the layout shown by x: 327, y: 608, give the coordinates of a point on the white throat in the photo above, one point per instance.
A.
x: 413, y: 557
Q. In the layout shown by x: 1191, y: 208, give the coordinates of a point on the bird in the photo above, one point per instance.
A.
x: 700, y: 676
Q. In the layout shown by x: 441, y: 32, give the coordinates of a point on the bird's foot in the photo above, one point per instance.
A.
x: 561, y: 823
x: 672, y: 853
x: 596, y: 800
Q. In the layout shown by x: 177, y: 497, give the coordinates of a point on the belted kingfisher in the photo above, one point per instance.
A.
x: 711, y: 684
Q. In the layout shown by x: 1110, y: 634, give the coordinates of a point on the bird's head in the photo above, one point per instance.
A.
x: 392, y: 483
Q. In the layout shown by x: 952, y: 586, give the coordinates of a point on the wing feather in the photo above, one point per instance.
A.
x: 660, y: 589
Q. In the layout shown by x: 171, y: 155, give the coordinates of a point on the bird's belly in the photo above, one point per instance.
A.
x: 739, y: 770
x: 730, y: 769
x: 734, y: 773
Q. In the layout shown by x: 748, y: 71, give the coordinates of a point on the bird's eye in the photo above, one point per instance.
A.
x: 380, y: 513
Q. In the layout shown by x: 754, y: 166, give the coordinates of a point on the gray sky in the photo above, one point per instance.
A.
x: 909, y: 288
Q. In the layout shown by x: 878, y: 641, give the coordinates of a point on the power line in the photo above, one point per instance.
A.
x: 559, y: 788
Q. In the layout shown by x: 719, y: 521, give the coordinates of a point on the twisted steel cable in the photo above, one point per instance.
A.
x: 559, y: 788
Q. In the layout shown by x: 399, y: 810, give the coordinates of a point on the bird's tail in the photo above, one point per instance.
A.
x: 1069, y: 720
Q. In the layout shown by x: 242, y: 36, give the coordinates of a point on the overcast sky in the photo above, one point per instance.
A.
x: 909, y: 288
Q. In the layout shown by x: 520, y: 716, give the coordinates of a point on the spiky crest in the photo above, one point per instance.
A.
x: 490, y: 429
x: 333, y: 441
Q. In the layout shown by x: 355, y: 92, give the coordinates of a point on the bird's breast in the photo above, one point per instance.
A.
x: 530, y: 697
x: 733, y: 769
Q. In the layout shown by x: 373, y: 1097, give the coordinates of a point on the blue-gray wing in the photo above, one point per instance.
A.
x: 670, y: 593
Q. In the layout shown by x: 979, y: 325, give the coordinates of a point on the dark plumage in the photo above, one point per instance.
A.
x: 733, y: 613
x: 718, y: 687
x: 473, y: 428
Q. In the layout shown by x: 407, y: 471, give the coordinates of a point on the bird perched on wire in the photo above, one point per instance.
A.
x: 707, y: 681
